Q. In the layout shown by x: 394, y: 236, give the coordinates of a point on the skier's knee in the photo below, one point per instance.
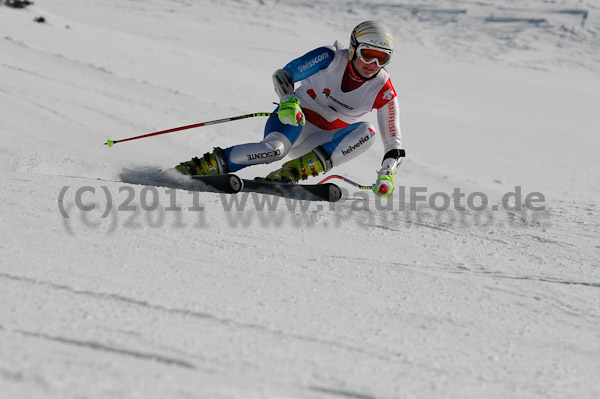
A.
x: 366, y: 130
x: 276, y: 150
x: 361, y: 137
x: 278, y: 146
x: 353, y: 141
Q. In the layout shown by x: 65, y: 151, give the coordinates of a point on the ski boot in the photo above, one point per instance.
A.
x: 210, y: 164
x: 310, y: 164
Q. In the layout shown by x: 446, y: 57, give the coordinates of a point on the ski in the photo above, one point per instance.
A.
x: 232, y: 184
x: 309, y: 192
x: 229, y: 183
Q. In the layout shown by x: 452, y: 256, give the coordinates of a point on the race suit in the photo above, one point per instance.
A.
x: 333, y: 98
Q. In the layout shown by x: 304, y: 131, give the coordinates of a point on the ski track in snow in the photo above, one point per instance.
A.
x: 475, y: 289
x: 284, y: 299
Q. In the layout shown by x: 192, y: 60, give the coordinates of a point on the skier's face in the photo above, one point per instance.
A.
x: 366, y: 70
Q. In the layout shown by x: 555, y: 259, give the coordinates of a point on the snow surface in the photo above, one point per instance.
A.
x: 356, y: 300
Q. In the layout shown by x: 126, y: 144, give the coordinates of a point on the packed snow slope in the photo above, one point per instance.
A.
x: 117, y: 282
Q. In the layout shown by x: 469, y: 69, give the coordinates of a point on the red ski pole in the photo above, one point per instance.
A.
x: 110, y: 143
x: 342, y: 178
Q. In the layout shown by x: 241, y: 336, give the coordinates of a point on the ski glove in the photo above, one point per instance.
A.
x: 384, y: 185
x: 290, y: 112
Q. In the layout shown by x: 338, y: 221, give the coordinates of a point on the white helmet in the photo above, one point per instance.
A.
x: 375, y: 36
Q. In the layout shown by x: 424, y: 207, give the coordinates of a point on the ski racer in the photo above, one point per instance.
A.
x: 317, y: 124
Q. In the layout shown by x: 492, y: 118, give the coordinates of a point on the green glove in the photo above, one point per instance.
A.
x: 384, y: 185
x: 290, y: 112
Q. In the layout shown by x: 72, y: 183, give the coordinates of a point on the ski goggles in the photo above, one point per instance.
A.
x: 369, y: 55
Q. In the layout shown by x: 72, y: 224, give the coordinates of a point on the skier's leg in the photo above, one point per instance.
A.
x: 302, y: 144
x: 349, y: 142
x: 278, y: 140
x: 330, y: 148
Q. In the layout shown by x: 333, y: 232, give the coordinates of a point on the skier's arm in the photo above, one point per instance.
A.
x: 301, y: 68
x: 389, y: 128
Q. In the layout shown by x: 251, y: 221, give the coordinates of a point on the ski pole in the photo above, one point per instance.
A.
x: 355, y: 184
x: 110, y: 143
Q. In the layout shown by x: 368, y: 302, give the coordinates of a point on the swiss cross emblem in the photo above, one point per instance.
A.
x: 388, y: 95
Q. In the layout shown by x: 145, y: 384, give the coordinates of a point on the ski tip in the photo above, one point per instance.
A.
x: 109, y: 143
x: 335, y: 193
x: 236, y: 183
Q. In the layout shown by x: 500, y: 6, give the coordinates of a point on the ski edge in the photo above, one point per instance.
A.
x: 232, y: 184
x: 328, y: 192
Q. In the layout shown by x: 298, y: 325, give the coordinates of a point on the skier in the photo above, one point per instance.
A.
x: 317, y: 123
